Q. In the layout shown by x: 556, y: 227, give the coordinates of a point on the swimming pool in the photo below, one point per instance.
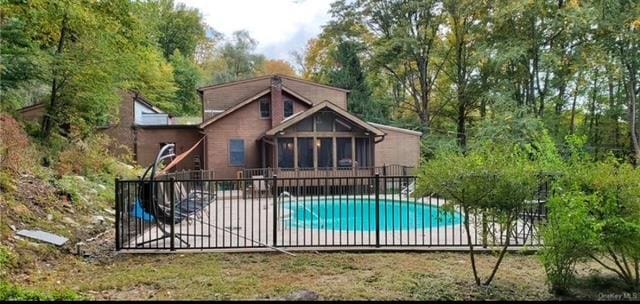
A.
x: 349, y: 214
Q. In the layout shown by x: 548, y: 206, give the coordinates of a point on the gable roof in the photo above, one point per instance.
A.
x: 137, y: 96
x: 324, y: 105
x: 397, y: 129
x: 200, y: 89
x: 234, y: 108
x: 251, y: 99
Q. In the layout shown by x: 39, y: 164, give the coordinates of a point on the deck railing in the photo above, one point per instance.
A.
x: 386, y: 170
x: 316, y: 212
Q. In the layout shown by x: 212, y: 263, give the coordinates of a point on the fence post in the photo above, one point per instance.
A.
x: 118, y: 206
x: 274, y: 193
x: 377, y: 189
x: 172, y: 232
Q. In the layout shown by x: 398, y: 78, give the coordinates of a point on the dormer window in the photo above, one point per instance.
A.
x: 288, y: 108
x: 265, y: 107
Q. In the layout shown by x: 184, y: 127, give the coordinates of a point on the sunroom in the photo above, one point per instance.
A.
x: 322, y: 141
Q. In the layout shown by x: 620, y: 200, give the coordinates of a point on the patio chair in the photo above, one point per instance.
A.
x: 154, y: 203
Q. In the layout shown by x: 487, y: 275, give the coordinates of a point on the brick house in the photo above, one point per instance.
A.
x: 266, y: 125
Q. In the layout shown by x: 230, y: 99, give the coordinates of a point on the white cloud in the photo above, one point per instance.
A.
x: 279, y: 26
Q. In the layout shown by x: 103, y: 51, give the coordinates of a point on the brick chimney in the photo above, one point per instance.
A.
x: 277, y: 103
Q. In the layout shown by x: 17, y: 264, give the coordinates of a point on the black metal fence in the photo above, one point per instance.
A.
x: 372, y: 211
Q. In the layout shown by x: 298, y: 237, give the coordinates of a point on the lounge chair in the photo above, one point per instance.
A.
x: 154, y: 203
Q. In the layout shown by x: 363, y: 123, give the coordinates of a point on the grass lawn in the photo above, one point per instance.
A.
x: 390, y: 276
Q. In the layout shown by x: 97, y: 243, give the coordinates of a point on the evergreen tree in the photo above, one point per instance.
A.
x: 348, y: 74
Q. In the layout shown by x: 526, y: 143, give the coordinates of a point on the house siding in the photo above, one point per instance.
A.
x: 226, y: 96
x: 397, y: 148
x: 122, y: 131
x: 246, y: 124
x: 149, y: 142
x: 316, y: 93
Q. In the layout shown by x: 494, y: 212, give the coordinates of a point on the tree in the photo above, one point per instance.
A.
x: 276, y: 66
x: 348, y: 74
x: 179, y: 28
x: 464, y: 20
x: 488, y: 184
x: 618, y: 32
x: 187, y: 77
x: 404, y: 44
x: 237, y: 59
x: 22, y: 65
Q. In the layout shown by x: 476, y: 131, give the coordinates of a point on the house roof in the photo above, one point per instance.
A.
x: 137, y: 96
x: 251, y: 99
x: 200, y: 89
x: 324, y: 105
x: 234, y: 108
x: 397, y: 129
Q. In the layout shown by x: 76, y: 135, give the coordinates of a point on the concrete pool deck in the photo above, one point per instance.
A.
x: 227, y: 225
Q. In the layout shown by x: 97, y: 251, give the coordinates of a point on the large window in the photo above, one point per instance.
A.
x: 324, y: 121
x: 342, y: 126
x: 265, y: 107
x: 285, y: 152
x: 305, y: 152
x: 236, y: 152
x: 305, y: 125
x: 288, y: 108
x: 325, y: 152
x: 344, y: 152
x: 363, y: 152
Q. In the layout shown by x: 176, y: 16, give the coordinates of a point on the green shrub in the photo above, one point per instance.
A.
x: 594, y: 214
x: 10, y: 292
x: 7, y: 182
x: 488, y: 182
x: 5, y: 261
x: 567, y: 238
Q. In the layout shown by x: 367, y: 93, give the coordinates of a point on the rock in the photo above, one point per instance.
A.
x: 70, y: 221
x: 78, y: 177
x: 97, y: 219
x: 101, y: 187
x: 49, y: 217
x: 43, y: 236
x: 12, y: 227
x: 79, y: 250
x: 110, y: 211
x: 303, y: 295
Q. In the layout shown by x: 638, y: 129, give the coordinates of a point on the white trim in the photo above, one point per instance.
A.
x: 417, y: 133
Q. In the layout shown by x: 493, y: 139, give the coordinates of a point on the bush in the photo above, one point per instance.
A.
x: 90, y: 157
x: 487, y: 183
x: 10, y: 292
x: 5, y: 261
x: 594, y: 214
x: 16, y: 154
x: 567, y: 238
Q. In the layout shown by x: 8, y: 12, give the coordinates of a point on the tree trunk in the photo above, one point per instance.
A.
x: 48, y: 120
x: 462, y: 132
x: 471, y: 253
x: 572, y: 127
x: 502, y: 254
x: 633, y: 123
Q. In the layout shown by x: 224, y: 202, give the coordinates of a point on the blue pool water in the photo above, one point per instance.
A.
x: 360, y: 215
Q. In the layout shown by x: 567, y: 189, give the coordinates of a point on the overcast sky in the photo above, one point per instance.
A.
x: 279, y: 26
